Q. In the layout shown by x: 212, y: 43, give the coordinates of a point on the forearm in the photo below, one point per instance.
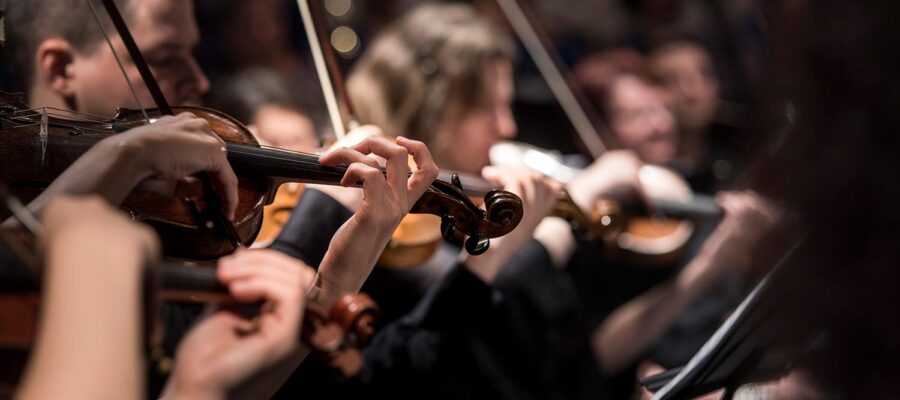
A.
x: 635, y: 327
x: 353, y: 252
x: 555, y: 234
x: 88, y: 345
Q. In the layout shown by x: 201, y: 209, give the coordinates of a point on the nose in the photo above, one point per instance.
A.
x: 197, y: 84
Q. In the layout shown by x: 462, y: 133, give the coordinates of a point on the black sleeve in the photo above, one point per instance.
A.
x: 414, y: 352
x: 413, y: 355
x: 530, y: 274
x: 313, y: 223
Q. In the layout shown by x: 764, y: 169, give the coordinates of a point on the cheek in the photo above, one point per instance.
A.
x: 629, y: 134
x: 468, y: 149
x: 476, y: 138
x: 100, y: 94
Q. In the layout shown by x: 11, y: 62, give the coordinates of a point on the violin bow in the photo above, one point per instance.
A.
x: 327, y: 69
x: 572, y: 100
x: 211, y: 215
x: 33, y: 227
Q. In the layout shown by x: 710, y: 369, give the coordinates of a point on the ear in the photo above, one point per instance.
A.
x: 53, y: 66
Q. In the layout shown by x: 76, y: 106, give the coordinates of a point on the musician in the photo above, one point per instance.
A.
x: 444, y: 74
x: 65, y: 62
x: 60, y: 56
x: 89, y: 341
x: 713, y: 148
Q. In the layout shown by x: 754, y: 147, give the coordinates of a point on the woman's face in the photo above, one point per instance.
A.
x: 468, y: 139
x: 641, y: 121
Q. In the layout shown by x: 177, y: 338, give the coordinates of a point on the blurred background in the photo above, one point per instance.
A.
x: 707, y: 54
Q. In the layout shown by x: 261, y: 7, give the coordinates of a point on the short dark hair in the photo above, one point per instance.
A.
x: 28, y: 23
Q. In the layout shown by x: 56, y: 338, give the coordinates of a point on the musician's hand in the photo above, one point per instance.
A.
x: 539, y: 196
x: 225, y: 350
x: 349, y: 197
x: 748, y: 218
x: 172, y: 149
x: 615, y: 173
x: 386, y: 200
x: 159, y: 157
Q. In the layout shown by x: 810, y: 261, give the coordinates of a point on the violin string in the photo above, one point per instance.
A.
x: 44, y: 135
x: 550, y: 70
x: 58, y: 112
x: 273, y: 153
x: 338, y: 171
x: 321, y: 69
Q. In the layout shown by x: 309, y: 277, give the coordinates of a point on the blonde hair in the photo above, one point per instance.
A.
x: 426, y: 67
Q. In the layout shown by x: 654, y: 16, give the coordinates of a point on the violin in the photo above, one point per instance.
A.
x: 656, y: 240
x: 646, y: 234
x: 277, y: 214
x: 336, y: 336
x: 39, y: 146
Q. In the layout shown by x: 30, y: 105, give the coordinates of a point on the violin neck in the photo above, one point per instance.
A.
x: 699, y: 207
x: 282, y: 164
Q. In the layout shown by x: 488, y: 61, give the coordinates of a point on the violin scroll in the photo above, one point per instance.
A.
x: 463, y: 221
x: 339, y: 336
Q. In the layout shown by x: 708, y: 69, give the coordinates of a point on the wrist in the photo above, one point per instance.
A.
x: 556, y: 235
x: 353, y: 252
x: 130, y: 155
x: 488, y: 265
x: 326, y: 292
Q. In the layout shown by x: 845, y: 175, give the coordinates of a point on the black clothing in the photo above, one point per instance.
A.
x: 464, y: 339
x: 314, y: 221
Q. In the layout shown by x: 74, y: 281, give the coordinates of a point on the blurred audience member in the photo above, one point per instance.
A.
x: 634, y: 106
x: 710, y: 128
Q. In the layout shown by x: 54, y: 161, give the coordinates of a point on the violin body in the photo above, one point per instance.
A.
x: 627, y: 232
x: 277, y: 214
x: 174, y: 218
x: 33, y: 159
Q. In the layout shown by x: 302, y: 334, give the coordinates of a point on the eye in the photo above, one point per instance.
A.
x: 167, y: 61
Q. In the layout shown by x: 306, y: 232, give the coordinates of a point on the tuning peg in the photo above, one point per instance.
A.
x: 454, y: 180
x: 477, y: 244
x: 448, y: 231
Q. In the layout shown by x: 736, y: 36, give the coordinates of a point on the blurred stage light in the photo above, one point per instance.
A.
x: 338, y: 8
x: 344, y: 40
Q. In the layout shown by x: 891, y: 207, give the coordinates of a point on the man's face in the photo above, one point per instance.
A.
x: 687, y: 72
x: 166, y: 32
x: 641, y: 121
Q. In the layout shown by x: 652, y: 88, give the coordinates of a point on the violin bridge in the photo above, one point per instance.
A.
x: 44, y: 134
